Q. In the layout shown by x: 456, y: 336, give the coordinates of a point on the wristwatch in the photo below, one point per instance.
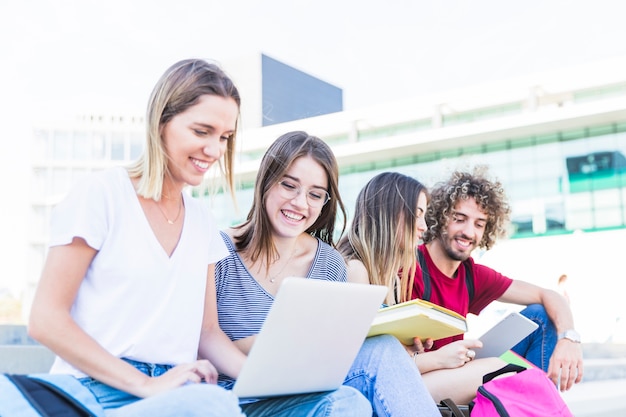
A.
x: 570, y: 334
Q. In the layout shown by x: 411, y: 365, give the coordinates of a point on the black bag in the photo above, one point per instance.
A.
x: 449, y: 408
x: 22, y: 395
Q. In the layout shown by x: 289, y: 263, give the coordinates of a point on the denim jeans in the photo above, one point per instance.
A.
x: 538, y: 346
x: 343, y: 402
x: 201, y: 400
x: 388, y: 377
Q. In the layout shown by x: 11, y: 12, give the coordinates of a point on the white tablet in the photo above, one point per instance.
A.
x: 504, y: 335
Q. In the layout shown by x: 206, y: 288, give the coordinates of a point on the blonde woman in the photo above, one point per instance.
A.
x: 380, y: 247
x: 126, y: 298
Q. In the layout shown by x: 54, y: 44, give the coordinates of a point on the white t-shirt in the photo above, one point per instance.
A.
x: 135, y: 300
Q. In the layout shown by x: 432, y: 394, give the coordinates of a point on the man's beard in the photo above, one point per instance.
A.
x: 452, y: 254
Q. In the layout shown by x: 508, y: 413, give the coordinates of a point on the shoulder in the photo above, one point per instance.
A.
x: 228, y: 240
x: 328, y: 262
x: 357, y: 272
x: 229, y: 234
x: 484, y: 272
x: 115, y: 177
x: 324, y: 250
x: 97, y: 190
x: 111, y: 178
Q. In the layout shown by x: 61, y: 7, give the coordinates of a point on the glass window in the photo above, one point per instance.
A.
x: 533, y: 171
x: 117, y: 146
x: 61, y: 145
x: 40, y: 145
x: 606, y: 198
x: 60, y: 181
x: 98, y: 141
x: 77, y: 174
x: 39, y: 184
x: 521, y: 190
x: 82, y: 146
x: 36, y: 257
x: 580, y: 219
x: 37, y: 222
x: 609, y: 217
x: 136, y: 145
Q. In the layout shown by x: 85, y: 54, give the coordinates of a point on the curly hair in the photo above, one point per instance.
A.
x: 489, y: 195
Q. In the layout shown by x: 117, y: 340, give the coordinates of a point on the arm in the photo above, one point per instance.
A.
x: 214, y: 344
x: 245, y: 344
x: 52, y: 325
x: 357, y: 272
x: 453, y: 355
x: 567, y: 358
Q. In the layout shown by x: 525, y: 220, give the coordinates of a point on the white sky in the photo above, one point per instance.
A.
x: 68, y: 57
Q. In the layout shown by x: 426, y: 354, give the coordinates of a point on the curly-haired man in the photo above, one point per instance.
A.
x: 466, y: 212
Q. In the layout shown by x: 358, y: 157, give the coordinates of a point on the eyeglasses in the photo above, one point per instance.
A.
x: 315, y: 197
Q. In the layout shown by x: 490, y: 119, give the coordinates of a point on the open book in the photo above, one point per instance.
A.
x: 417, y: 318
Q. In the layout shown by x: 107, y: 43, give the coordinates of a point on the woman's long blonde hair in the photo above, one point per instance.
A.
x: 383, y: 232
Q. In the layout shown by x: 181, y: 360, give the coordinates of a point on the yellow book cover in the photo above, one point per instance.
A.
x: 417, y: 318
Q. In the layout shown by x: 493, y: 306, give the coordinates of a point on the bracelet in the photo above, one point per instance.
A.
x: 415, y: 357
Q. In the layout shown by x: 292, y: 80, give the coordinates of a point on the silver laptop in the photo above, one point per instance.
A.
x: 310, y: 337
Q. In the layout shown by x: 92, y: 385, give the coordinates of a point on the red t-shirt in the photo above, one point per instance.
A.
x: 452, y: 294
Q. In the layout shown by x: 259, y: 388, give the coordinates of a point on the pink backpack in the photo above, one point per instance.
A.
x: 527, y: 393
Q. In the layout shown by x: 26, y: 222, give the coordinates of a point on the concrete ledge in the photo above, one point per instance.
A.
x: 15, y: 334
x: 597, y: 398
x: 25, y: 359
x: 603, y: 369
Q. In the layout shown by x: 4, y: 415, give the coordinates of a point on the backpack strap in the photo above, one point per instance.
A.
x: 425, y: 275
x: 511, y: 367
x: 469, y: 277
x: 447, y: 407
x: 48, y: 399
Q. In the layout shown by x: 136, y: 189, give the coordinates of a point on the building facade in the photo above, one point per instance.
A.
x: 61, y: 154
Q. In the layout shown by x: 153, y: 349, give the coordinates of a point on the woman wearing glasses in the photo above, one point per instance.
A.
x: 290, y: 231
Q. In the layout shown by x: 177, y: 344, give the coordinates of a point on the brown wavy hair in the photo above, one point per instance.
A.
x: 255, y: 235
x: 489, y: 195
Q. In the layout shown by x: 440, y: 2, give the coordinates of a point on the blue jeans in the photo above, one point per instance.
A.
x: 343, y: 402
x: 388, y: 377
x: 538, y: 346
x: 195, y: 400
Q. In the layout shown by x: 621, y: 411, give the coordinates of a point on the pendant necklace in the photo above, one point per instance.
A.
x: 272, y: 278
x: 180, y: 209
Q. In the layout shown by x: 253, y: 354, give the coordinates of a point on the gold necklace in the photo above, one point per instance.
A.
x: 272, y: 278
x: 180, y: 209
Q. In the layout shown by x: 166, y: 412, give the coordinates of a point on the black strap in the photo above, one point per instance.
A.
x: 469, y: 277
x: 48, y: 399
x: 504, y: 370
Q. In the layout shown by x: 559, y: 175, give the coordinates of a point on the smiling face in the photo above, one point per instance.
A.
x: 289, y: 216
x: 465, y: 230
x: 197, y: 138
